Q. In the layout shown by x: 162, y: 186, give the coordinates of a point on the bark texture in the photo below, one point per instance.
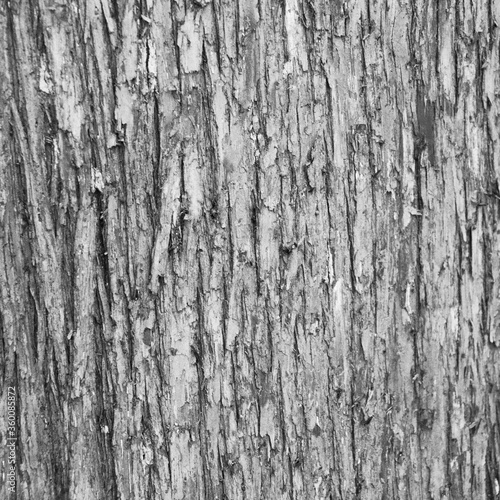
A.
x: 251, y: 249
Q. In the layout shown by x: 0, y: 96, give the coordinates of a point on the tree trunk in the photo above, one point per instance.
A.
x: 251, y: 250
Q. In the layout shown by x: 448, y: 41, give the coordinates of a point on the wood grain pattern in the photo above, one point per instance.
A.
x: 250, y: 250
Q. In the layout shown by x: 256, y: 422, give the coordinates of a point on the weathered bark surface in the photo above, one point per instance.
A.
x: 251, y: 249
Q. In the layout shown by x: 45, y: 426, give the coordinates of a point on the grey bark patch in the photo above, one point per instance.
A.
x: 426, y: 112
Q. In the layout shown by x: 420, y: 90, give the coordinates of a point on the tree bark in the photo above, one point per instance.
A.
x: 251, y: 250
